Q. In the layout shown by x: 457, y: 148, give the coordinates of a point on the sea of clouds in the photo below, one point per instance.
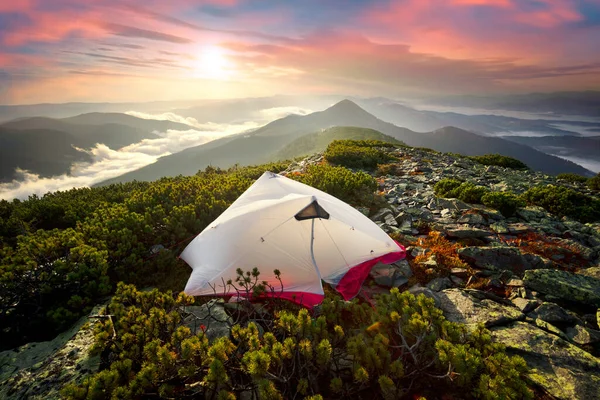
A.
x: 107, y: 163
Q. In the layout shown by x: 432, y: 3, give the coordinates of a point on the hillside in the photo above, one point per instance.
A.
x: 317, y: 142
x: 43, y: 151
x: 263, y: 144
x: 45, y: 146
x: 517, y: 255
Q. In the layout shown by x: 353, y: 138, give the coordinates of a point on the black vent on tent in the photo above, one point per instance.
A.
x: 313, y: 210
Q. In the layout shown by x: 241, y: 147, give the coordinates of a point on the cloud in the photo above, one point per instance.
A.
x: 107, y: 163
x: 206, y: 126
x: 280, y: 112
x: 132, y: 32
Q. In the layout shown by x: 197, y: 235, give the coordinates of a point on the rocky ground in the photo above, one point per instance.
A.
x: 533, y: 279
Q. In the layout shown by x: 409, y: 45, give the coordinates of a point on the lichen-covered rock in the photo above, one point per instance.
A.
x: 461, y: 306
x: 503, y: 258
x: 39, y: 370
x: 210, y: 318
x: 565, y: 285
x: 582, y: 335
x: 461, y: 232
x: 553, y: 314
x: 525, y: 305
x: 560, y: 368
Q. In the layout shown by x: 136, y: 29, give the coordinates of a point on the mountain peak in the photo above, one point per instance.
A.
x: 346, y: 105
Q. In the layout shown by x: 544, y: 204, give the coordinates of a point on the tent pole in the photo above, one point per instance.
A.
x: 312, y: 252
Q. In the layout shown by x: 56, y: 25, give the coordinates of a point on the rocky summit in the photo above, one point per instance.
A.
x: 532, y: 278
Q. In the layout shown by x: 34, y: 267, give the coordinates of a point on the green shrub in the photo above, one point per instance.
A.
x: 350, y: 351
x: 506, y: 203
x: 365, y: 154
x: 445, y: 186
x: 594, y: 183
x: 465, y: 191
x: 573, y: 178
x: 352, y: 187
x: 499, y: 160
x: 562, y: 201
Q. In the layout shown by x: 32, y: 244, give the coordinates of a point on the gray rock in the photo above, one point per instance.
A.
x: 525, y: 305
x: 467, y: 232
x: 211, y: 317
x: 452, y: 204
x: 560, y: 368
x: 40, y: 370
x: 461, y: 306
x: 439, y: 284
x: 471, y: 219
x: 418, y: 289
x: 532, y: 213
x: 565, y: 285
x: 582, y: 335
x: 499, y: 227
x: 503, y: 258
x: 553, y: 314
x: 392, y: 275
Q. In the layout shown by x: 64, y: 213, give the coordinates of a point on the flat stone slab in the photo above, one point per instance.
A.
x: 560, y: 368
x: 565, y: 285
x: 460, y: 306
x: 503, y: 258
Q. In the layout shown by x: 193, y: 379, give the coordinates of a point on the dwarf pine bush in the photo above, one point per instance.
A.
x: 500, y: 161
x: 465, y: 191
x: 351, y: 350
x: 365, y: 154
x: 505, y: 202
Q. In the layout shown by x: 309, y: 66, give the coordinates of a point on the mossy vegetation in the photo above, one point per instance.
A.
x: 572, y: 178
x: 500, y: 161
x: 366, y: 154
x: 564, y: 202
x: 465, y: 191
x: 59, y: 253
x: 352, y: 350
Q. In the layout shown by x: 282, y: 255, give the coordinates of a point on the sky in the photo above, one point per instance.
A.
x: 54, y: 51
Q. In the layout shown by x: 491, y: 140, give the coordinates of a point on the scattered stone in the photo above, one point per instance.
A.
x: 467, y: 232
x: 582, y: 335
x: 525, y: 305
x: 553, y: 314
x: 439, y: 284
x: 560, y: 368
x: 565, y: 285
x: 461, y: 306
x: 503, y: 258
x: 40, y: 370
x: 210, y: 318
x: 418, y: 289
x: 515, y: 282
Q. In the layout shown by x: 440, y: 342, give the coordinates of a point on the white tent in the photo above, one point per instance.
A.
x: 282, y: 224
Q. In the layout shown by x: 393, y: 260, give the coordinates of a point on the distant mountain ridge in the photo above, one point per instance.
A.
x: 47, y: 146
x: 264, y: 144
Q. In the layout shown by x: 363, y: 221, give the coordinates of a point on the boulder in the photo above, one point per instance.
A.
x: 210, y: 318
x: 418, y: 289
x: 582, y: 335
x: 392, y: 275
x: 565, y: 285
x: 560, y: 368
x: 503, y: 258
x: 553, y: 314
x: 461, y: 306
x: 466, y: 231
x: 525, y: 305
x: 40, y: 370
x: 439, y: 284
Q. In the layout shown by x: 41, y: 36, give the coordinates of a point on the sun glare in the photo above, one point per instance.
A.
x: 212, y: 63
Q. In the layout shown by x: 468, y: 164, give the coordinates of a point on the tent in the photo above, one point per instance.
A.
x: 306, y: 234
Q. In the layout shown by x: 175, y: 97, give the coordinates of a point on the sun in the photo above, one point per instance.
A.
x: 212, y: 63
